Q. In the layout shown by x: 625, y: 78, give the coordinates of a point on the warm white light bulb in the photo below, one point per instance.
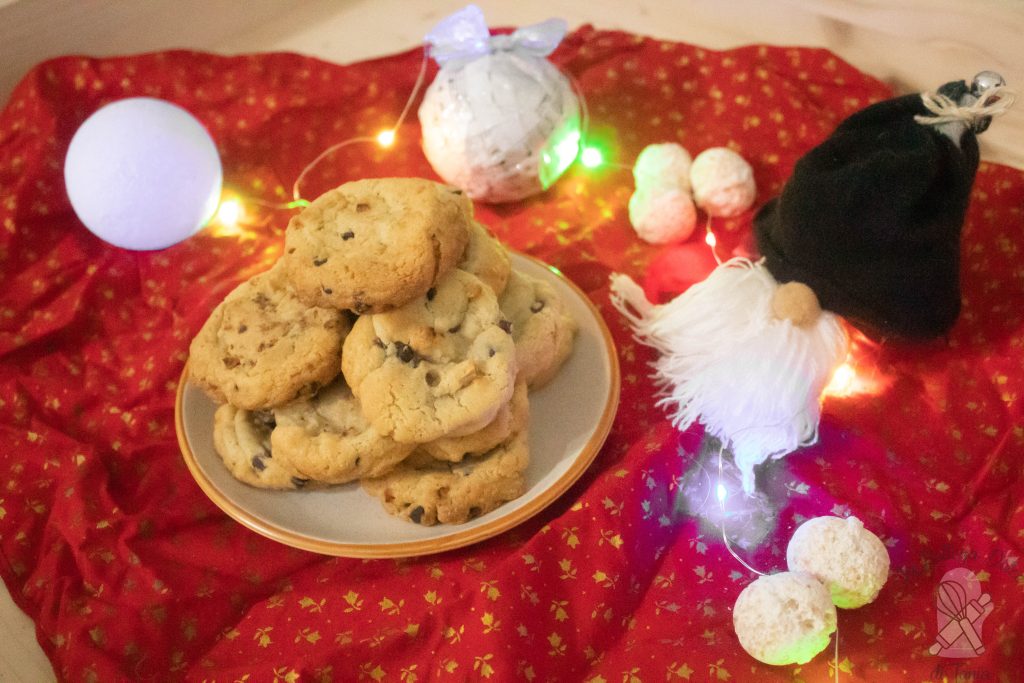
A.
x: 386, y: 138
x: 230, y: 213
x: 843, y: 382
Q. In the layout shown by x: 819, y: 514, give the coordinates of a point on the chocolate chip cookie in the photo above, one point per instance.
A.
x: 486, y: 258
x: 326, y: 438
x: 542, y: 329
x: 443, y: 364
x: 513, y: 417
x: 262, y: 346
x: 242, y: 439
x: 372, y: 245
x: 428, y: 491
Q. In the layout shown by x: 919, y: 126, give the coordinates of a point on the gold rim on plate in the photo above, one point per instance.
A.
x: 457, y: 538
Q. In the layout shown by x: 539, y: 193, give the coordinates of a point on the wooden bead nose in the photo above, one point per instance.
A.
x: 796, y: 302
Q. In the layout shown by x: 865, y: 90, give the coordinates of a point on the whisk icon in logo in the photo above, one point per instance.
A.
x: 961, y: 610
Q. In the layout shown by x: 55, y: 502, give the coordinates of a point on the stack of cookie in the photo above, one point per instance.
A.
x: 390, y: 344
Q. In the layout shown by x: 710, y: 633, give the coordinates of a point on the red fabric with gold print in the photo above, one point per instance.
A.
x: 131, y: 573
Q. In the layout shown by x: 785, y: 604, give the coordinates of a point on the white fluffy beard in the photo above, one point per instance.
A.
x: 753, y: 380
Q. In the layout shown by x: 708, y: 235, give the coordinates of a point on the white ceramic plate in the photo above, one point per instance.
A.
x: 569, y: 421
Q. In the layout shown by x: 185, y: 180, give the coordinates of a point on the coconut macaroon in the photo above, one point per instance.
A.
x: 662, y: 215
x: 662, y: 166
x: 784, y: 618
x: 722, y: 182
x: 847, y: 558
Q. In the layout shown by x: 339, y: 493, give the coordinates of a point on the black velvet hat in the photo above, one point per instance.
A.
x: 871, y: 218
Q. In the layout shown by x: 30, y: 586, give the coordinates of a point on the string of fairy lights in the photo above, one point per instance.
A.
x: 572, y: 148
x: 232, y: 214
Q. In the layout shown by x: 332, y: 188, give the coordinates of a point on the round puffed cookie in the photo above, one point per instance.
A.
x: 261, y: 347
x: 543, y: 332
x: 326, y: 438
x: 513, y: 417
x: 372, y: 245
x: 442, y: 365
x: 362, y: 353
x: 486, y: 258
x: 428, y: 491
x: 242, y: 439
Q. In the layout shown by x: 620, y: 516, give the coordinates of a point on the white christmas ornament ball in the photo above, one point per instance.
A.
x: 502, y: 127
x: 784, y: 618
x: 142, y: 174
x: 661, y: 216
x: 722, y: 182
x: 662, y: 165
x: 849, y: 560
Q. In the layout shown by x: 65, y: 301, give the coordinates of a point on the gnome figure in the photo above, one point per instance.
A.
x: 867, y: 230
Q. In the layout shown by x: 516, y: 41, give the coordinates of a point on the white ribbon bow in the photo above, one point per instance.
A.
x: 463, y: 36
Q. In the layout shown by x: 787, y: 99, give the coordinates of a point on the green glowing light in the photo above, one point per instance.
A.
x: 560, y: 152
x: 591, y: 157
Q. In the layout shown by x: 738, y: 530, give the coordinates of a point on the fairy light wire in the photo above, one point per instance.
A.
x: 585, y: 129
x: 295, y: 204
x: 584, y: 110
x: 720, y: 494
x: 380, y: 140
x: 383, y: 139
x: 296, y: 194
x: 711, y: 240
x: 836, y: 645
x: 387, y: 137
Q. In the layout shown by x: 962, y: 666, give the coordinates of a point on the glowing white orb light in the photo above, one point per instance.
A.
x: 143, y: 174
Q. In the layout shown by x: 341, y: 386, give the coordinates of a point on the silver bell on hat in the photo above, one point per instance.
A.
x: 972, y: 110
x: 982, y: 83
x: 986, y: 80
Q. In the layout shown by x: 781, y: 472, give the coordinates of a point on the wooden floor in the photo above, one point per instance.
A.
x: 913, y: 44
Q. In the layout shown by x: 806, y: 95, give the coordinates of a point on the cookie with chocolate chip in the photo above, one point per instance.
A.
x: 486, y: 258
x: 373, y: 245
x: 543, y: 330
x: 428, y: 491
x: 513, y: 417
x: 261, y: 346
x: 442, y: 365
x: 326, y: 438
x: 242, y: 439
